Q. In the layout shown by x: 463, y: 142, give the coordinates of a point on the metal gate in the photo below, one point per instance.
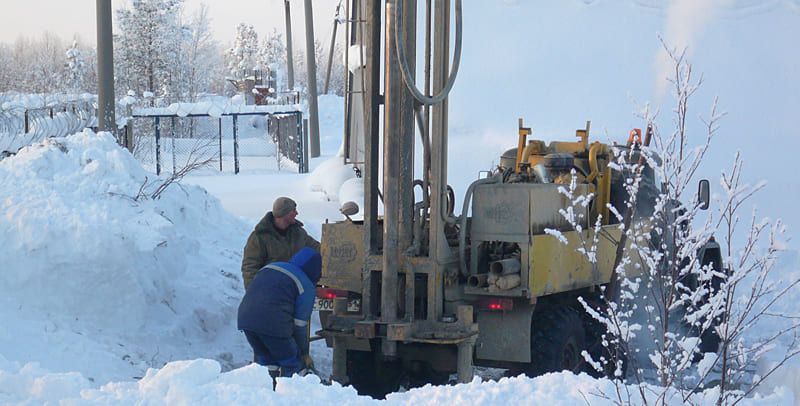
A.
x: 253, y: 140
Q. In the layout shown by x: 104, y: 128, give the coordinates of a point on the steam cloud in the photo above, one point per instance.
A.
x: 686, y: 20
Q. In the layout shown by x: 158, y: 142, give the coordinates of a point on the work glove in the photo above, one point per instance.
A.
x: 300, y: 335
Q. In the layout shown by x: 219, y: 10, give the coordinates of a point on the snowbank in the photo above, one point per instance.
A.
x: 92, y: 263
x: 200, y: 382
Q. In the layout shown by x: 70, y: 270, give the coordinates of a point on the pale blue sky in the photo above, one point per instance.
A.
x: 66, y: 18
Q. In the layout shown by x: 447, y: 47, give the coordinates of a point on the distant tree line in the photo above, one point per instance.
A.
x: 161, y: 56
x: 47, y: 64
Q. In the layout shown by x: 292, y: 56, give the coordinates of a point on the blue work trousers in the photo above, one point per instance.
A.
x: 280, y: 351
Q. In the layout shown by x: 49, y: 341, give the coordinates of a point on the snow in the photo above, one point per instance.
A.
x: 215, y: 108
x: 108, y: 296
x: 111, y: 297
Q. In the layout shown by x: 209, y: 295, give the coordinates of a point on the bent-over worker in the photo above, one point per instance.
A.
x: 276, y: 310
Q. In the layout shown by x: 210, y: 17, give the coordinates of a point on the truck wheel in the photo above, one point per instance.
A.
x: 557, y: 340
x: 709, y: 339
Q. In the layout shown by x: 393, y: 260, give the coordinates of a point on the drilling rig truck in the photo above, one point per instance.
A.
x: 420, y: 292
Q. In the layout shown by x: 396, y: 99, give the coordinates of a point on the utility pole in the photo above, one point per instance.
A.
x: 289, y: 57
x: 330, y: 54
x: 313, y: 109
x: 106, y: 120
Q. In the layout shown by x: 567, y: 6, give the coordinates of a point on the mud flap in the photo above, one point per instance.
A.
x: 505, y: 335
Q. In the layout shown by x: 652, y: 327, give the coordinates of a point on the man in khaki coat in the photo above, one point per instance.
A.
x: 276, y: 238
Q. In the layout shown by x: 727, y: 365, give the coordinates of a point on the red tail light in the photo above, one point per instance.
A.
x: 496, y: 304
x: 328, y: 293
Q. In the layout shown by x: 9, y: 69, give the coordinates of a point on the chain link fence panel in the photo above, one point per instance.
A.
x: 254, y: 141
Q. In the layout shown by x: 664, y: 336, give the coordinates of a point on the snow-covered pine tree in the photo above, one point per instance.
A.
x: 243, y: 56
x: 148, y: 48
x: 76, y: 68
x: 274, y: 56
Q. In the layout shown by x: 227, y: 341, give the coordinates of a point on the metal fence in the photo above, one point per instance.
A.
x: 21, y: 126
x: 255, y: 141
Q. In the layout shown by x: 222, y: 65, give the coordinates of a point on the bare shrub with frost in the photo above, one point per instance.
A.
x: 694, y: 299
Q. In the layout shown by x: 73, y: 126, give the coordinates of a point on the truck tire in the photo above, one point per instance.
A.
x: 557, y: 340
x: 709, y: 339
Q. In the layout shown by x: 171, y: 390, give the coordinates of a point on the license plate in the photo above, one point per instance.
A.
x: 326, y: 305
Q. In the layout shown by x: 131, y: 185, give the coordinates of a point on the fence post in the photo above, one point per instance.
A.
x: 172, y: 132
x: 304, y: 138
x: 220, y: 144
x: 128, y: 128
x: 158, y: 146
x: 279, y: 136
x: 27, y: 122
x: 235, y: 143
x: 303, y: 165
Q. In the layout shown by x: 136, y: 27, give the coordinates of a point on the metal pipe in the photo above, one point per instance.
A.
x: 158, y: 145
x: 408, y: 74
x: 505, y: 266
x: 313, y: 108
x: 398, y: 164
x: 172, y: 135
x: 422, y: 124
x: 106, y: 120
x: 425, y: 131
x: 439, y: 249
x: 348, y: 82
x: 464, y: 350
x: 506, y: 282
x: 289, y: 57
x: 236, y: 144
x: 477, y: 281
x: 371, y: 39
x: 407, y: 130
x: 462, y: 232
x: 391, y: 172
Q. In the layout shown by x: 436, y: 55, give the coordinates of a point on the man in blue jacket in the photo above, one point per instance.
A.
x: 276, y: 310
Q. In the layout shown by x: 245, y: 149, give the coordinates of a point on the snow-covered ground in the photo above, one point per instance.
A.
x: 110, y: 297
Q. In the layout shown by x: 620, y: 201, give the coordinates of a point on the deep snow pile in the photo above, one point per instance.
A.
x: 94, y: 268
x: 199, y: 382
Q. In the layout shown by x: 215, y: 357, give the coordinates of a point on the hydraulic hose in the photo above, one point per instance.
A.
x: 462, y: 232
x: 401, y: 57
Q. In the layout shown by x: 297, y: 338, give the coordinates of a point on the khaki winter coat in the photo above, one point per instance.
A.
x: 266, y: 245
